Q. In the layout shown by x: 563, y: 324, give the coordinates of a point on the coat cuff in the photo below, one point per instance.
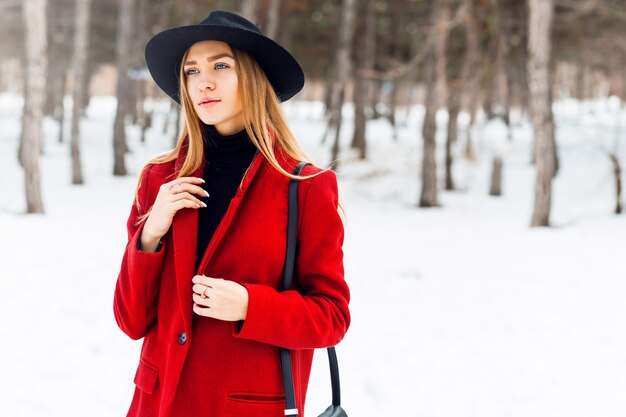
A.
x: 262, y: 313
x: 146, y: 260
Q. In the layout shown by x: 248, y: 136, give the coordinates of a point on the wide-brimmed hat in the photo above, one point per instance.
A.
x: 164, y: 52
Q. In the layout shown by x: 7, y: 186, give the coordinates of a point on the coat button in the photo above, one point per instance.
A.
x: 182, y: 339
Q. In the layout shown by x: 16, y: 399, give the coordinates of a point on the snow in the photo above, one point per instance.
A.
x: 462, y: 310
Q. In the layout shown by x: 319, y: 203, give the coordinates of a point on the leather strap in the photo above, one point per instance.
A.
x: 285, y: 357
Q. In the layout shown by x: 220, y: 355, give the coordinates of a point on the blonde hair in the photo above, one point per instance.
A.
x: 262, y: 114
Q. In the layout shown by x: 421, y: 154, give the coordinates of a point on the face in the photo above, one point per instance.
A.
x: 211, y: 81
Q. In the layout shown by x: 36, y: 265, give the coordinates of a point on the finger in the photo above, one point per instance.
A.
x: 186, y: 180
x: 173, y: 185
x: 190, y: 188
x: 186, y: 203
x: 201, y: 289
x: 185, y: 195
x: 202, y: 311
x: 213, y: 282
x: 202, y: 301
x: 201, y: 279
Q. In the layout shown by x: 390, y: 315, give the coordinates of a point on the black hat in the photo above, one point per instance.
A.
x: 164, y: 52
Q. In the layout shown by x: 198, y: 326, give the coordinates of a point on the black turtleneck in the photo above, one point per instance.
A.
x: 226, y: 160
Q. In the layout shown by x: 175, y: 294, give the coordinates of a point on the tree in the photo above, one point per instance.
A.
x: 436, y: 93
x: 539, y: 48
x: 34, y: 15
x: 248, y: 9
x: 81, y: 39
x: 469, y: 74
x: 365, y: 59
x: 344, y: 48
x: 273, y: 18
x: 124, y: 100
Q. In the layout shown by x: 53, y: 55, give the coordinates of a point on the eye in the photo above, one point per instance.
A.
x: 221, y: 65
x: 188, y: 71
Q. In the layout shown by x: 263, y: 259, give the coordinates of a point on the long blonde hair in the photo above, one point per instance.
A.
x: 262, y: 114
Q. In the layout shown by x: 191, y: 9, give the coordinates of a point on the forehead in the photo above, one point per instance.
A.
x: 203, y: 48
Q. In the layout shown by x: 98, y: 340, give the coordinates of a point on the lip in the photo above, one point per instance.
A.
x: 208, y: 102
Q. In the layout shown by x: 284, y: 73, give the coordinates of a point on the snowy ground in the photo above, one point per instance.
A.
x: 458, y: 311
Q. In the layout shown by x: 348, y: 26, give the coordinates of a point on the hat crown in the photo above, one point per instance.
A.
x: 233, y: 20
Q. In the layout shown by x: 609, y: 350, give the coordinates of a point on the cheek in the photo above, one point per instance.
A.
x: 189, y: 83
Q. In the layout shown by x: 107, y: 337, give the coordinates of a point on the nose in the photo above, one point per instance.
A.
x: 206, y: 84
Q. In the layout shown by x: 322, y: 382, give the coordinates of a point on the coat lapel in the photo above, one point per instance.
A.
x: 185, y: 238
x: 185, y: 242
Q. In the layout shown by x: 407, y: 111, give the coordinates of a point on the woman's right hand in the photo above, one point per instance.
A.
x: 173, y: 196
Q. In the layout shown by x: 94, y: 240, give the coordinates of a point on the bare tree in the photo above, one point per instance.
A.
x: 346, y: 29
x: 34, y: 15
x: 249, y: 9
x: 273, y: 18
x: 617, y: 174
x: 539, y: 48
x: 124, y: 101
x: 454, y: 108
x: 469, y: 73
x: 436, y: 93
x: 495, y: 189
x: 81, y: 41
x: 365, y: 58
x: 59, y: 59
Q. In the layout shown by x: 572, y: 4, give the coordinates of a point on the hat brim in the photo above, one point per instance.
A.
x: 165, y: 50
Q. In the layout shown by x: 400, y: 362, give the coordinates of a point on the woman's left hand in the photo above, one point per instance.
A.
x: 219, y: 298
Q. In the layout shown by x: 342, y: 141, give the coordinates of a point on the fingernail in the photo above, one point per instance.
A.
x: 197, y: 205
x: 207, y: 193
x: 203, y: 203
x: 201, y: 179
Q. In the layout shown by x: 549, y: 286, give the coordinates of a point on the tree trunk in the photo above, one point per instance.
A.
x: 436, y: 94
x: 248, y: 10
x: 502, y: 62
x: 469, y: 74
x: 617, y: 171
x: 496, y: 177
x: 365, y: 56
x: 20, y: 149
x: 273, y: 18
x: 81, y: 42
x: 63, y: 117
x: 124, y: 46
x: 59, y: 32
x: 454, y: 107
x: 139, y: 96
x: 34, y: 15
x: 539, y: 48
x: 344, y: 49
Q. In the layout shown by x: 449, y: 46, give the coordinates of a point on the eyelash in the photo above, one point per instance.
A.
x: 187, y: 71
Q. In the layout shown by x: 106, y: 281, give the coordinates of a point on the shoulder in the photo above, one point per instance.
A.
x: 157, y: 173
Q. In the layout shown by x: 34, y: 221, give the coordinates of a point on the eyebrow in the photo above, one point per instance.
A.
x: 211, y: 58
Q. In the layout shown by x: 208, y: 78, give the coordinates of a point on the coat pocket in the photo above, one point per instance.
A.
x: 146, y: 376
x: 257, y: 397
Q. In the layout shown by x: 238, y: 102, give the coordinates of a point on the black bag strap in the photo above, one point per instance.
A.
x: 285, y: 357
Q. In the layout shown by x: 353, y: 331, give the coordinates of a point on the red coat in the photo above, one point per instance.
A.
x: 153, y: 295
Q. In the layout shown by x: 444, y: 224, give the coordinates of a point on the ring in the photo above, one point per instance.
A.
x: 203, y: 295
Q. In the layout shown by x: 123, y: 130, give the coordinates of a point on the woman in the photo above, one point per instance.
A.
x: 201, y: 272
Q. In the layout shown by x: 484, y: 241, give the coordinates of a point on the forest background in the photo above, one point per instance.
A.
x: 479, y: 146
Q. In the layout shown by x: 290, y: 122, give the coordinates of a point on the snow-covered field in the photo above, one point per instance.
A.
x: 460, y: 311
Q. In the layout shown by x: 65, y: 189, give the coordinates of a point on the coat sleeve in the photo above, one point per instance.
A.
x: 137, y: 289
x: 315, y: 314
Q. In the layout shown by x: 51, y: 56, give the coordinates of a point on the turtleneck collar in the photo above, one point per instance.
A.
x: 227, y: 150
